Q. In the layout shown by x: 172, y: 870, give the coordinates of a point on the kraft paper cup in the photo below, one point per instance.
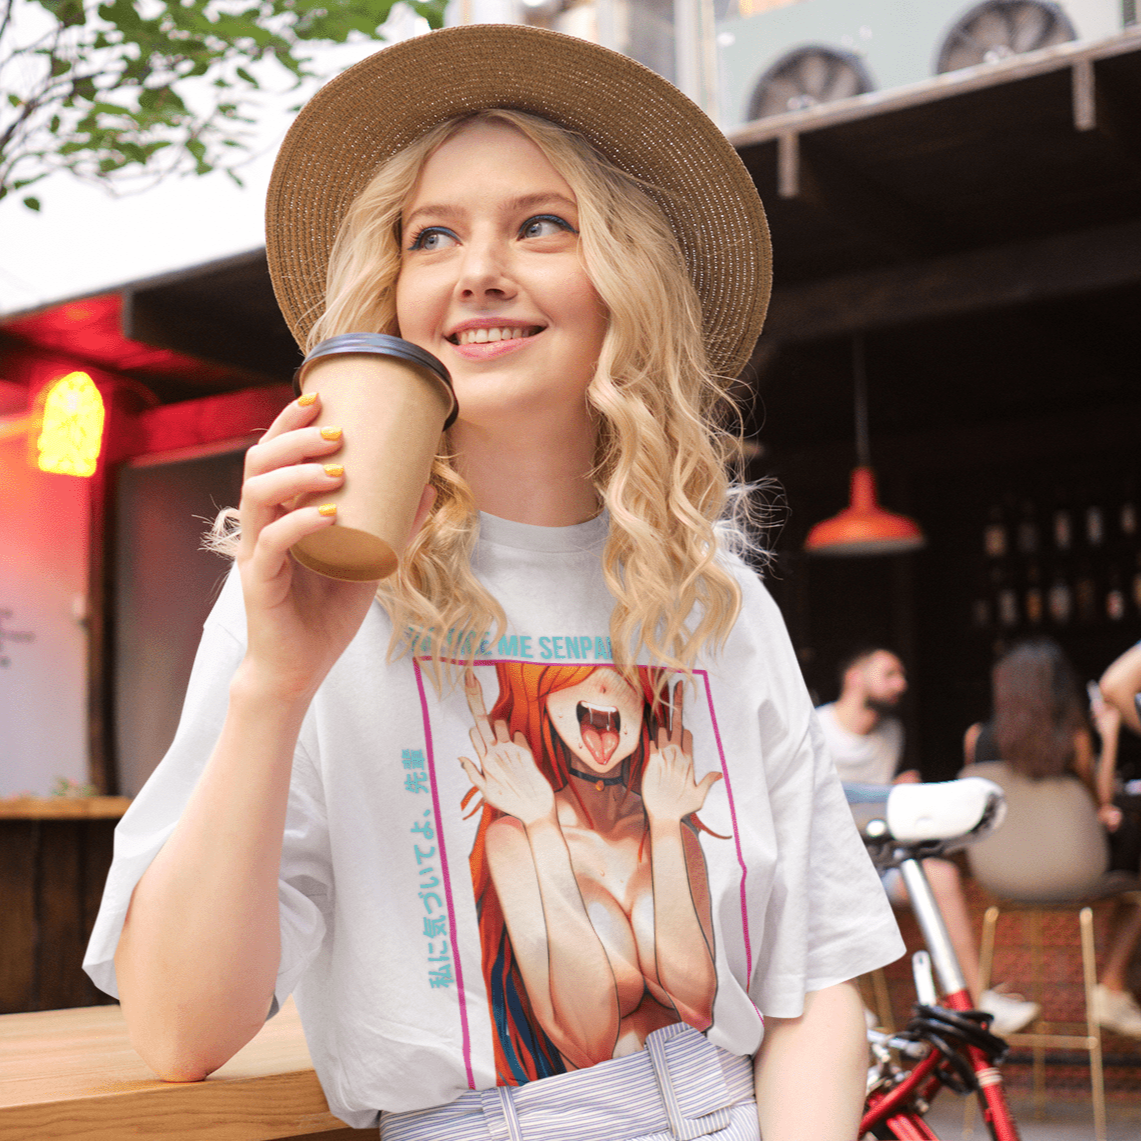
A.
x: 393, y: 400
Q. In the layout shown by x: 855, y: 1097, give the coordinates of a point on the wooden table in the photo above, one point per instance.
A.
x: 71, y: 1074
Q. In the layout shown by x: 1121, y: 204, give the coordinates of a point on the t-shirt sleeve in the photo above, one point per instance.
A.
x: 304, y: 884
x: 827, y: 918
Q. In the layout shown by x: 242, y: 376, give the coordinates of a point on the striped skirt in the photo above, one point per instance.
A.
x: 680, y: 1087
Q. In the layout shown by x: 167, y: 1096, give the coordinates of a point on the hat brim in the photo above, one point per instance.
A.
x: 634, y: 117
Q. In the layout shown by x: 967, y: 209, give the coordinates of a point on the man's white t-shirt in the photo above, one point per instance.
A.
x: 393, y: 902
x: 871, y: 758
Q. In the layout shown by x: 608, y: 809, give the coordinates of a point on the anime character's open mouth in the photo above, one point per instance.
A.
x: 600, y: 726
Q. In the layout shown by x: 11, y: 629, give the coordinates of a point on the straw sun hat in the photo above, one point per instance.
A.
x: 633, y: 116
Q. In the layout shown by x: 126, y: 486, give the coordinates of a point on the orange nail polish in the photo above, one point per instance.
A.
x: 308, y: 399
x: 330, y: 433
x: 335, y: 470
x: 327, y: 509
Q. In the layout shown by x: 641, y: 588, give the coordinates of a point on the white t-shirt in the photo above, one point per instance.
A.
x: 868, y: 759
x: 381, y: 934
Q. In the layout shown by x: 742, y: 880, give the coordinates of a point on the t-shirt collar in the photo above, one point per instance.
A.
x: 527, y: 536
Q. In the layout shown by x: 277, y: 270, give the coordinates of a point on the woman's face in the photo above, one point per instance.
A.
x: 599, y: 719
x: 491, y: 279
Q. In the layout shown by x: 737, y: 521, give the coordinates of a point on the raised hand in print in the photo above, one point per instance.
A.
x: 669, y: 791
x: 504, y: 771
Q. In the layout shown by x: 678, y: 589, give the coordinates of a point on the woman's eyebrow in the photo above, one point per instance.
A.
x: 432, y: 210
x: 531, y: 201
x: 446, y: 211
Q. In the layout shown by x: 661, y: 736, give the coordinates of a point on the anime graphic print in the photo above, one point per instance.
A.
x: 590, y: 883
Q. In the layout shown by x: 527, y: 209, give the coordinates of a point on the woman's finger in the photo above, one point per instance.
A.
x: 279, y: 487
x: 290, y: 442
x: 474, y: 692
x: 706, y: 783
x: 268, y: 552
x: 478, y: 744
x: 676, y: 707
x: 473, y: 773
x: 295, y: 414
x: 295, y: 447
x: 265, y: 498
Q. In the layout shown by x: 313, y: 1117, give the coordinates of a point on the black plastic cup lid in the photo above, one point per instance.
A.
x: 383, y: 345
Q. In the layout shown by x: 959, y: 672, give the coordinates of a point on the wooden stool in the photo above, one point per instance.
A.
x: 876, y: 982
x: 1042, y: 1036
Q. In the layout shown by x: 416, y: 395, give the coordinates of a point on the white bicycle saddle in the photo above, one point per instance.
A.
x: 965, y: 809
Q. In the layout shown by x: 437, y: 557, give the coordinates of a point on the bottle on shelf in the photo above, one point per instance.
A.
x: 1127, y: 523
x: 1116, y: 604
x: 1094, y: 529
x: 1008, y: 612
x: 1059, y: 599
x: 1033, y: 608
x: 996, y: 543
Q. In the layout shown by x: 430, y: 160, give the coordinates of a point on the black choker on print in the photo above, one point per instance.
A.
x: 599, y: 782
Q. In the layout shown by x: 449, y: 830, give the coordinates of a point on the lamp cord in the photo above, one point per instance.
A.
x: 859, y: 374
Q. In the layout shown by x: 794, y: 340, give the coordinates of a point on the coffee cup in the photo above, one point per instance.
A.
x: 393, y: 400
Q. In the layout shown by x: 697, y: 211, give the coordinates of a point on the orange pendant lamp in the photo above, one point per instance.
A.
x: 863, y: 527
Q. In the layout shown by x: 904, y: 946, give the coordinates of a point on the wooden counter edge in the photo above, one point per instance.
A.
x: 260, y: 1108
x: 64, y: 807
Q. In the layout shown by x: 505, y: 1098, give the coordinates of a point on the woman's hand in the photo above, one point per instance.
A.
x: 299, y: 622
x: 507, y: 775
x: 669, y: 791
x: 1110, y: 816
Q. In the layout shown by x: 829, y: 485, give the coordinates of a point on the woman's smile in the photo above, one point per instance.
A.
x: 486, y: 338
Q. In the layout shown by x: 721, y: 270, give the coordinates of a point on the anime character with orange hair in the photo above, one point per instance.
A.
x: 591, y: 885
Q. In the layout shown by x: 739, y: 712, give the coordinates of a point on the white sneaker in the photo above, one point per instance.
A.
x: 1011, y: 1011
x: 1116, y: 1010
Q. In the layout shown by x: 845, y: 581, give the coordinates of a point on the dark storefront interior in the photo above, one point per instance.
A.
x: 982, y: 235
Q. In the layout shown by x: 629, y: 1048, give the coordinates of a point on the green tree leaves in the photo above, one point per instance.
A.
x: 127, y: 92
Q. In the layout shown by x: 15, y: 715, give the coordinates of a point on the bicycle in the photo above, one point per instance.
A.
x: 945, y: 1044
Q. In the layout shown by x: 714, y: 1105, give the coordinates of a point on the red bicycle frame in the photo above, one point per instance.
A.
x: 894, y: 1107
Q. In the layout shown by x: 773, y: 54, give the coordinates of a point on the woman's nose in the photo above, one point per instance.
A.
x: 485, y: 271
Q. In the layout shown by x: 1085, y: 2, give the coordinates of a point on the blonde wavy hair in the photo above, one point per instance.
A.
x: 664, y: 450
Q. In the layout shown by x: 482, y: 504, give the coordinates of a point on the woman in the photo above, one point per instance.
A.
x: 586, y: 263
x: 1039, y: 748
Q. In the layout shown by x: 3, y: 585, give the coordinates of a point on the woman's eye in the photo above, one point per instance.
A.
x: 433, y: 238
x: 545, y: 226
